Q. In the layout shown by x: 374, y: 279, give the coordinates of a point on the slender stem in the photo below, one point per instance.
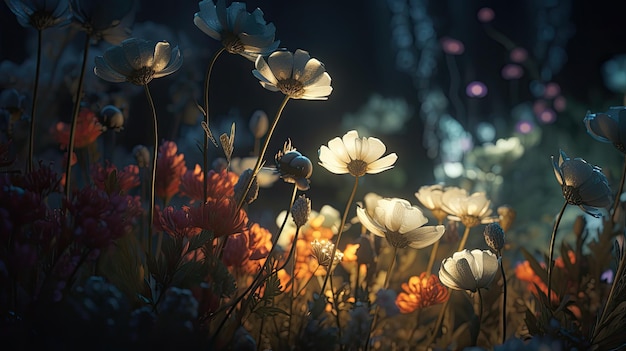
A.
x: 464, y: 238
x: 480, y: 312
x: 205, y: 150
x: 442, y: 312
x: 336, y: 307
x: 293, y: 254
x: 78, y: 97
x: 155, y: 141
x: 343, y: 223
x: 503, y: 299
x: 308, y: 281
x: 431, y: 259
x: 552, y: 241
x: 259, y: 160
x: 617, y: 279
x: 619, y: 193
x: 31, y: 141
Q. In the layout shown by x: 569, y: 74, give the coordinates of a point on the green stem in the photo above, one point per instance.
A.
x: 552, y: 241
x: 343, y: 223
x: 503, y: 299
x: 619, y: 193
x: 155, y: 152
x: 259, y: 160
x: 205, y: 150
x: 31, y: 141
x: 78, y: 97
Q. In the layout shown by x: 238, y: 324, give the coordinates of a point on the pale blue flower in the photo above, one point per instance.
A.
x: 40, y: 14
x: 608, y: 127
x: 241, y: 32
x: 583, y: 184
x: 138, y: 61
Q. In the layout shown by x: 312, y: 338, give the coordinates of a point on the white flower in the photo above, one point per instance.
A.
x: 583, y: 185
x: 40, y: 14
x: 430, y: 197
x: 296, y: 75
x: 470, y: 210
x: 322, y: 250
x: 469, y: 270
x: 240, y: 32
x: 355, y: 155
x: 138, y: 61
x: 400, y: 223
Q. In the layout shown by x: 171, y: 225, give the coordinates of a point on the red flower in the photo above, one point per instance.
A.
x: 125, y: 179
x: 170, y: 169
x: 220, y: 217
x: 88, y: 129
x: 420, y: 292
x: 100, y: 218
x: 176, y: 223
x: 236, y: 250
x: 219, y: 184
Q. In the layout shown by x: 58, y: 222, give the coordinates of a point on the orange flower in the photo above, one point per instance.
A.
x: 524, y: 272
x: 126, y: 179
x: 170, y: 169
x: 87, y: 130
x: 219, y: 184
x: 219, y: 216
x: 420, y: 292
x: 349, y: 253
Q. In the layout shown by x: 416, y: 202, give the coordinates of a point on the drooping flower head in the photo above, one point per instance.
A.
x: 40, y: 14
x: 240, y: 32
x: 583, y: 184
x: 354, y: 155
x: 469, y: 270
x: 296, y: 75
x: 420, y: 292
x: 608, y: 127
x: 471, y: 210
x: 293, y: 167
x: 108, y: 20
x: 400, y: 223
x: 138, y: 61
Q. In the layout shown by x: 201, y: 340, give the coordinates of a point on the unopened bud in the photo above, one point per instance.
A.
x: 142, y: 156
x: 240, y: 187
x: 301, y: 210
x: 494, y: 236
x: 259, y: 124
x: 112, y: 117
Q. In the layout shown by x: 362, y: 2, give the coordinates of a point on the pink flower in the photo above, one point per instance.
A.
x: 176, y: 223
x: 219, y: 216
x: 124, y: 180
x: 220, y: 184
x: 88, y: 129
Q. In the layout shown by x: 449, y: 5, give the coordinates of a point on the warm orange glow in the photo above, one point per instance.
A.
x: 421, y: 291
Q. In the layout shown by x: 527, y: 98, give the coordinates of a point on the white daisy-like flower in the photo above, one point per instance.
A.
x: 354, y: 155
x: 296, y: 75
x: 138, y: 61
x: 400, y: 223
x: 430, y: 197
x: 469, y: 270
x: 243, y: 33
x: 471, y: 210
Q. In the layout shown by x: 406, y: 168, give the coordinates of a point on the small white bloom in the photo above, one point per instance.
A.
x: 469, y: 270
x: 470, y: 210
x: 400, y: 223
x: 296, y: 75
x: 354, y: 155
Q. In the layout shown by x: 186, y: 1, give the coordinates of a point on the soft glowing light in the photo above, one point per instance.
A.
x: 512, y: 71
x: 485, y: 131
x: 476, y: 89
x: 524, y: 127
x: 551, y: 90
x: 452, y: 46
x: 453, y: 169
x: 485, y: 15
x: 518, y: 55
x: 547, y: 116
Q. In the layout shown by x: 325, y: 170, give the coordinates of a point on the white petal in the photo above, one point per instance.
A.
x: 382, y: 164
x: 412, y: 219
x: 105, y: 72
x: 334, y: 169
x: 338, y: 148
x: 375, y: 151
x: 350, y: 144
x: 281, y: 64
x: 263, y: 71
x: 208, y: 27
x: 422, y: 237
x: 368, y: 223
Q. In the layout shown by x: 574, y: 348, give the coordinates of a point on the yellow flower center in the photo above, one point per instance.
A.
x: 357, y: 168
x: 142, y: 76
x: 291, y: 87
x: 232, y: 43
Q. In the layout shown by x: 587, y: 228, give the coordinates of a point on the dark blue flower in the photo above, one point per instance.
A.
x: 608, y: 127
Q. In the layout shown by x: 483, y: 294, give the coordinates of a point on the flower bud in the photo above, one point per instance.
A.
x: 112, y: 117
x: 259, y: 124
x: 494, y: 236
x: 244, y: 179
x: 301, y: 210
x: 142, y: 156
